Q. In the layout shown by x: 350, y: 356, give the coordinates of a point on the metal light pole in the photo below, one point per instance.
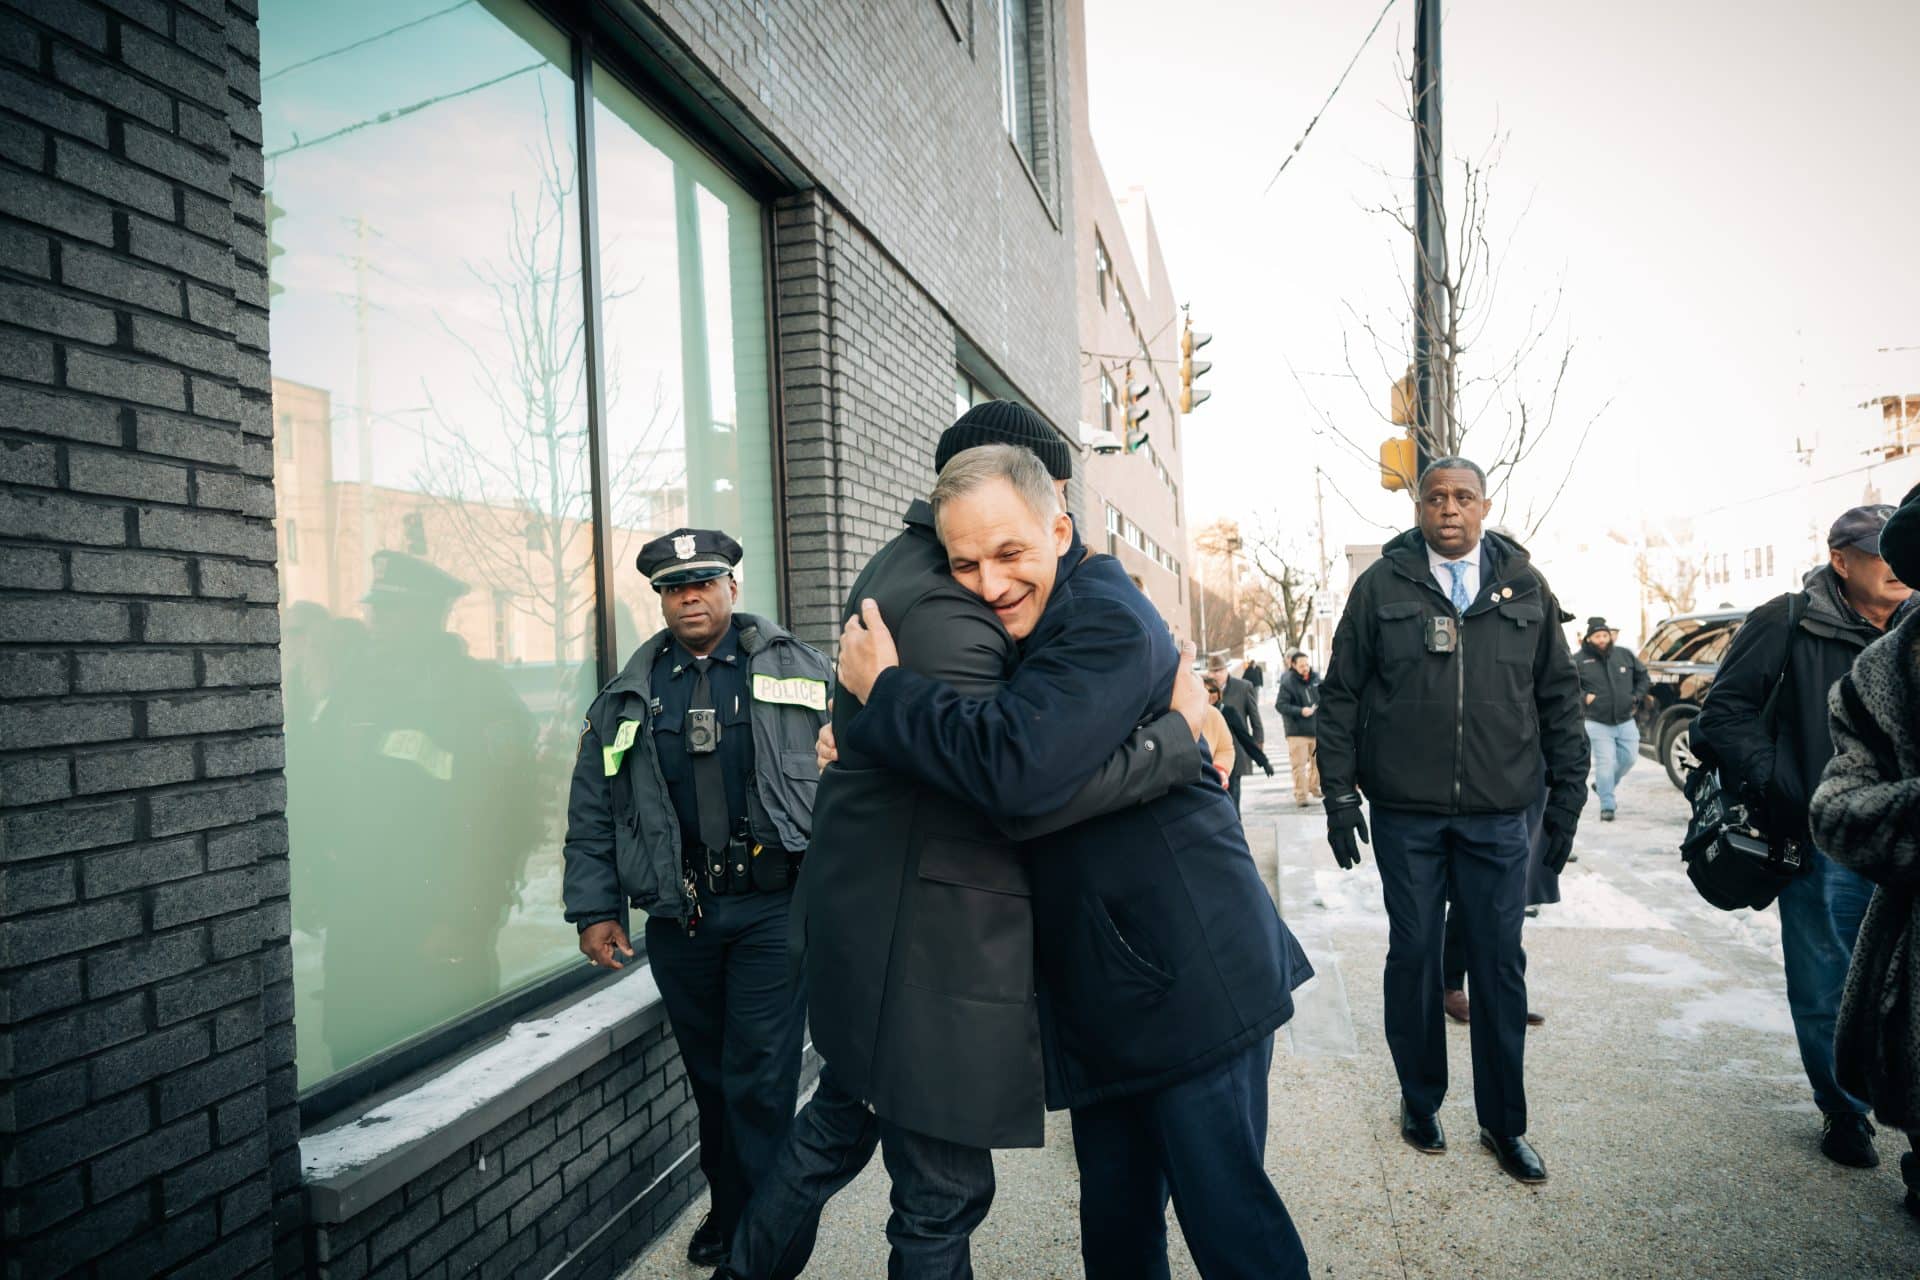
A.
x: 1430, y: 235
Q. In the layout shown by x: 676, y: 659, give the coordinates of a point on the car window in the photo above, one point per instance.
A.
x: 1707, y: 644
x: 1668, y: 637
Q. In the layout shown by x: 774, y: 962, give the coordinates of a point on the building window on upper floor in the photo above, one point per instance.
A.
x: 1769, y: 562
x: 1125, y: 309
x: 1102, y: 267
x: 1023, y: 86
x: 1109, y: 397
x: 283, y: 436
x: 292, y: 532
x: 967, y: 392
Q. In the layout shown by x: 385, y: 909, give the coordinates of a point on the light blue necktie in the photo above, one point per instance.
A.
x: 1458, y: 568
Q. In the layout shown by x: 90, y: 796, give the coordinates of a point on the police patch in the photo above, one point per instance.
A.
x: 796, y: 691
x: 610, y: 757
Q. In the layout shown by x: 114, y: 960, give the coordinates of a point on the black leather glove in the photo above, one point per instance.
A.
x: 1345, y: 820
x: 1557, y: 827
x: 1269, y: 771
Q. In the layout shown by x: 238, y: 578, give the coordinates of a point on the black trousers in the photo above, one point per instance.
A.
x: 941, y: 1192
x: 1233, y: 789
x: 738, y: 1017
x: 1480, y: 864
x: 1202, y: 1143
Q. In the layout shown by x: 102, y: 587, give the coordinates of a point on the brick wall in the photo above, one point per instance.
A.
x: 145, y: 1002
x: 592, y: 1172
x: 900, y: 122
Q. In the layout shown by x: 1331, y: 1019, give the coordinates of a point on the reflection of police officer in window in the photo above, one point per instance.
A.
x: 692, y: 799
x: 432, y: 807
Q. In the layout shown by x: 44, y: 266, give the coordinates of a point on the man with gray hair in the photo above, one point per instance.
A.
x: 1237, y: 696
x: 1448, y: 694
x: 1163, y: 968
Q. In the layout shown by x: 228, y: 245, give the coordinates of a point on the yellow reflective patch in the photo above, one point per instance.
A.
x: 415, y: 747
x: 796, y: 691
x: 610, y: 757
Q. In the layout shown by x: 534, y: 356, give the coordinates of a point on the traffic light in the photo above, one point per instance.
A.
x: 1190, y: 342
x: 1398, y: 461
x: 1134, y: 394
x: 273, y: 213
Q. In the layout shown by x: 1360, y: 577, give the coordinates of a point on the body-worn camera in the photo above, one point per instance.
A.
x: 703, y: 732
x: 1442, y: 634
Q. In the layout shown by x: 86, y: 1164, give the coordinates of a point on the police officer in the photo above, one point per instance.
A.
x: 692, y: 800
x: 1449, y: 695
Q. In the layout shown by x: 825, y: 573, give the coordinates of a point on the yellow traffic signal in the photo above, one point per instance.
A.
x: 1398, y: 460
x: 1190, y: 342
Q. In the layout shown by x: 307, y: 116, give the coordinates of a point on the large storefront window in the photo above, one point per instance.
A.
x: 436, y: 509
x: 682, y: 281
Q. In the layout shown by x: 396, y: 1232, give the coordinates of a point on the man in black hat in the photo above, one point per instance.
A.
x: 1802, y: 643
x: 1612, y: 683
x: 919, y: 930
x: 692, y: 800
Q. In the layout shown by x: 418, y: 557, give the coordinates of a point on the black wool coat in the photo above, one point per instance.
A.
x: 914, y: 908
x: 1160, y: 953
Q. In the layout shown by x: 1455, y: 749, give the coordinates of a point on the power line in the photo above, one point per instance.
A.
x: 1329, y: 102
x: 386, y: 117
x: 358, y: 44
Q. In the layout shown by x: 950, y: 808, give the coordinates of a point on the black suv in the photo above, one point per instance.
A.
x: 1682, y: 656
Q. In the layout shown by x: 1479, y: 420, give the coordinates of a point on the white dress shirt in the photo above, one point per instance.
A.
x: 1444, y: 575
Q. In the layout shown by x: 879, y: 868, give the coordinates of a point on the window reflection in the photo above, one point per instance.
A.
x: 434, y: 504
x: 682, y: 276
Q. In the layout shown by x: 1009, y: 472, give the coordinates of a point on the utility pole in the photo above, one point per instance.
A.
x: 1430, y: 404
x: 363, y: 395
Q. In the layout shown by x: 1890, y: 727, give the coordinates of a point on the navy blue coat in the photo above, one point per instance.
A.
x: 1158, y: 950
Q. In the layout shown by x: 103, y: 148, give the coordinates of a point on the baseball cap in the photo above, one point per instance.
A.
x: 1860, y: 527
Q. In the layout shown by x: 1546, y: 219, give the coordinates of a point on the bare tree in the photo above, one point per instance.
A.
x: 1670, y: 571
x: 1287, y: 586
x: 1505, y: 402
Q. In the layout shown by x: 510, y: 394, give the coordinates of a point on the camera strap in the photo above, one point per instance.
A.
x: 709, y: 782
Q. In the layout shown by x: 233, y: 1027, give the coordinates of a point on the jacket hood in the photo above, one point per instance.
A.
x: 1409, y: 551
x: 1829, y: 615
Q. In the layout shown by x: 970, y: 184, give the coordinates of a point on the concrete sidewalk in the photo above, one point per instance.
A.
x: 1665, y: 1091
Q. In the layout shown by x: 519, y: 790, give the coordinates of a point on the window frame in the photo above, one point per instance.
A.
x: 591, y: 40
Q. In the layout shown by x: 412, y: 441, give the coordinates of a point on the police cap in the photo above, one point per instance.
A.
x: 399, y: 576
x: 688, y: 555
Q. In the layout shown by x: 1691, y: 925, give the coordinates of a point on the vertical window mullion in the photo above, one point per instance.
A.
x: 595, y: 371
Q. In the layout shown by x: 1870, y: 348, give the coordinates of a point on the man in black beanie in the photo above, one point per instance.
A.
x: 914, y: 912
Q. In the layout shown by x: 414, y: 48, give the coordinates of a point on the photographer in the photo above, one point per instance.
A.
x: 1805, y: 642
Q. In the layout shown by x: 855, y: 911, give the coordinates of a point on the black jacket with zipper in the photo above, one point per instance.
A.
x: 1296, y: 696
x: 1452, y: 733
x: 1616, y: 679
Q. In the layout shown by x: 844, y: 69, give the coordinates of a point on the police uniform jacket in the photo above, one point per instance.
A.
x: 1452, y: 733
x: 916, y: 906
x: 1616, y: 679
x: 623, y: 833
x: 1159, y: 953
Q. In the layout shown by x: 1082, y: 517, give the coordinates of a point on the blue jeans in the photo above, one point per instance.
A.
x: 1202, y: 1142
x: 1615, y: 748
x: 1819, y: 920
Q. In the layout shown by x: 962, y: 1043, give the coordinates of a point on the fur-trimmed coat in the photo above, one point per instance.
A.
x: 1866, y: 815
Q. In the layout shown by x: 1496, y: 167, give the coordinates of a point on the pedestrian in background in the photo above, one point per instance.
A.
x: 1244, y: 744
x: 1298, y: 703
x: 1215, y: 733
x: 1237, y: 695
x: 1449, y: 693
x: 1612, y: 683
x: 1866, y: 816
x: 1803, y: 643
x: 1254, y: 674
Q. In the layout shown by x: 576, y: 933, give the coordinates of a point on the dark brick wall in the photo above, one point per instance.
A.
x: 588, y: 1175
x: 900, y: 122
x: 145, y: 1001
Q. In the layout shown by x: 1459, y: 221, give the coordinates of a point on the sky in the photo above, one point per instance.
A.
x: 1721, y: 193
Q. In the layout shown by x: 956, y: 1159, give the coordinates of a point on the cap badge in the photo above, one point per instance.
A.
x: 683, y: 546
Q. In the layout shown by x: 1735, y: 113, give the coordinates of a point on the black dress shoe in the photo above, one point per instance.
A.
x: 1847, y: 1138
x: 709, y: 1245
x: 1423, y: 1133
x: 1518, y: 1158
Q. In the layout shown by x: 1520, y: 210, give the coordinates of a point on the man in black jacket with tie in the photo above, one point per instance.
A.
x: 1448, y: 689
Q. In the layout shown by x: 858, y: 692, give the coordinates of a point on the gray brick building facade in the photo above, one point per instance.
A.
x: 151, y: 1116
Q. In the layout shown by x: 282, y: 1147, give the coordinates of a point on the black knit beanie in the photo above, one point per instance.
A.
x: 1900, y: 540
x: 1004, y: 422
